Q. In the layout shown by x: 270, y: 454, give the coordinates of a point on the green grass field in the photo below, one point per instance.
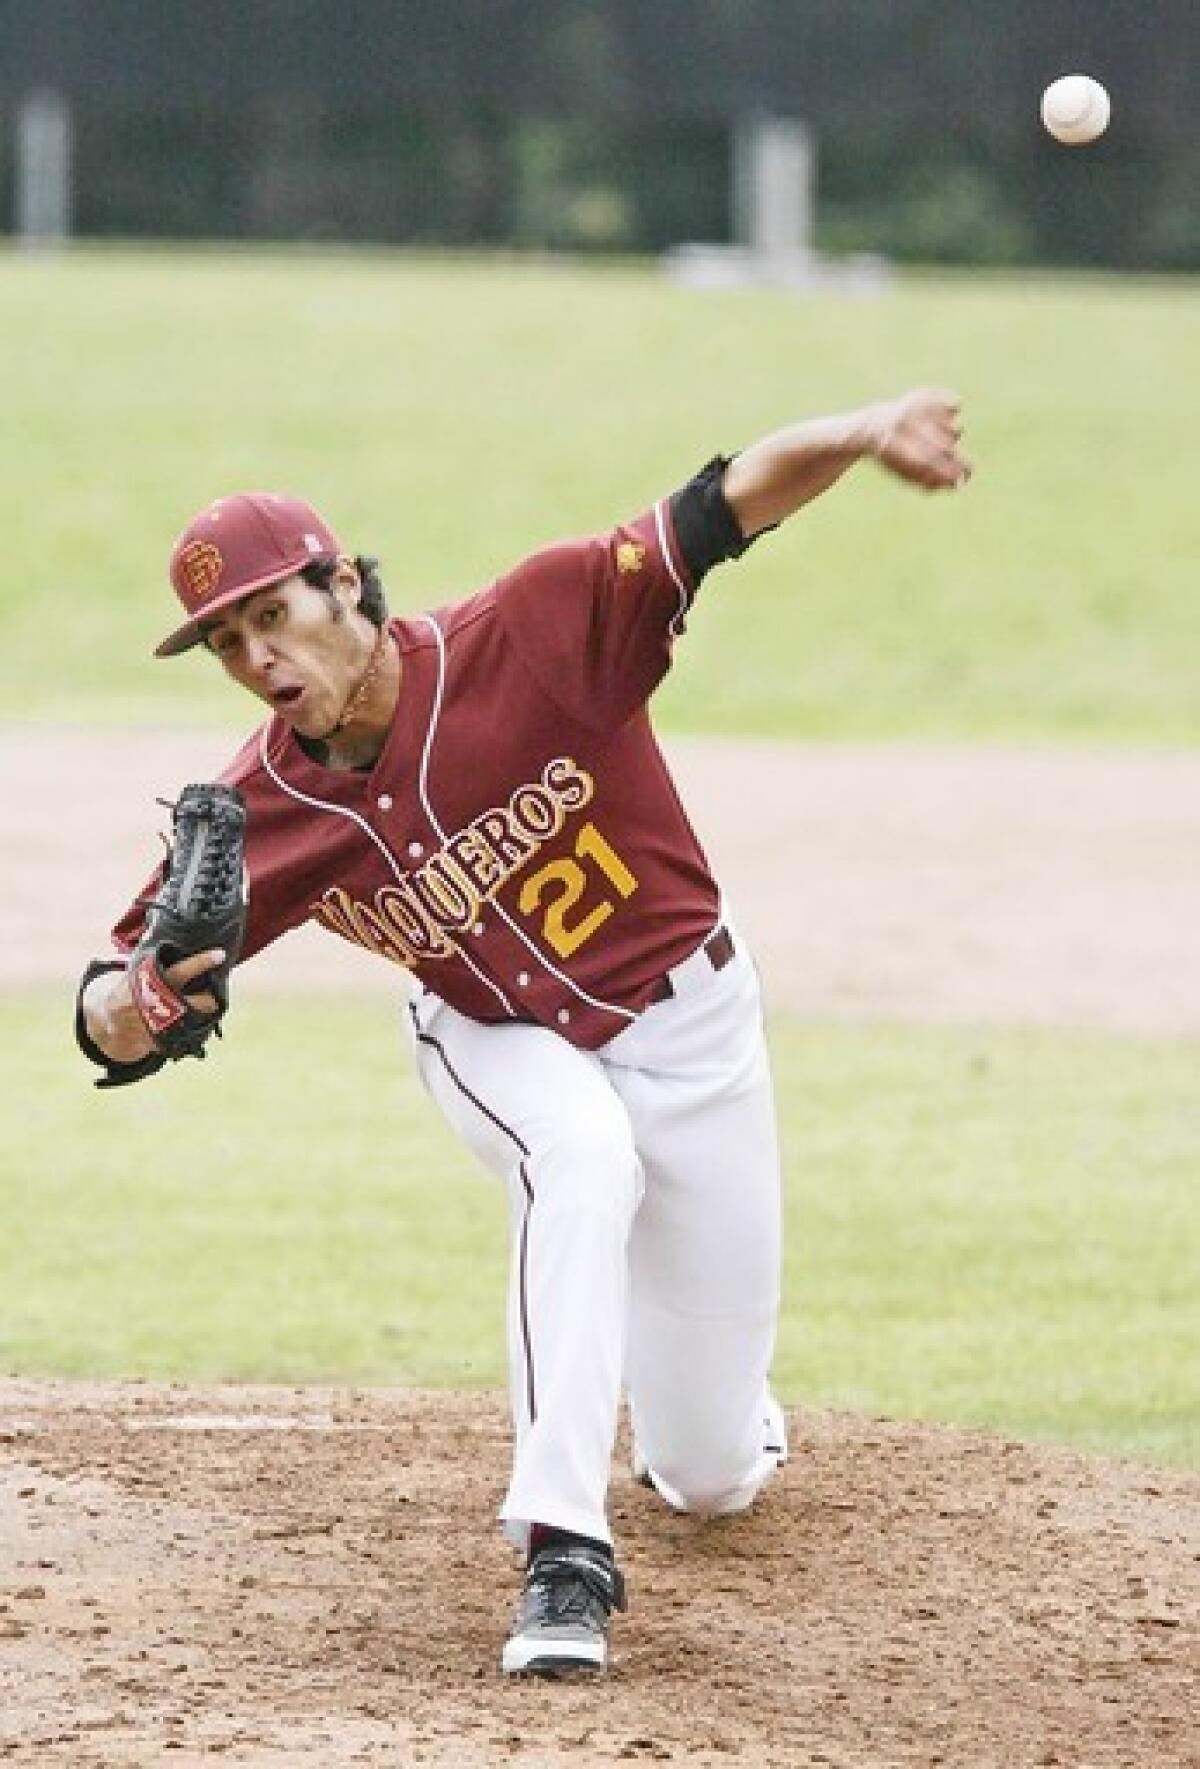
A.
x: 997, y: 1229
x: 452, y: 414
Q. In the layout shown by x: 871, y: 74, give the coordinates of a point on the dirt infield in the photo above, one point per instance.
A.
x: 314, y: 1578
x: 304, y: 1577
x: 875, y: 882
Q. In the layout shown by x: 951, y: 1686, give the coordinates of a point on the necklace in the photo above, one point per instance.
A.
x: 356, y: 700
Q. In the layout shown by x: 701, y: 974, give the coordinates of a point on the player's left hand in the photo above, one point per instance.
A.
x: 918, y: 438
x: 200, y: 910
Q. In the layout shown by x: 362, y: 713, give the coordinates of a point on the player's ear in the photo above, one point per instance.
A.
x: 346, y: 583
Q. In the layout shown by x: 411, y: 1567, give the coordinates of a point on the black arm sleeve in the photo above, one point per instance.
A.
x: 115, y: 1074
x: 705, y: 527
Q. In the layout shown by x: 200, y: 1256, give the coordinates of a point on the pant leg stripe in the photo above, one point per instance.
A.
x: 527, y: 1186
x: 526, y: 1336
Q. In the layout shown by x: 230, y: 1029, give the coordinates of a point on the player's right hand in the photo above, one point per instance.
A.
x: 918, y: 438
x: 114, y: 1023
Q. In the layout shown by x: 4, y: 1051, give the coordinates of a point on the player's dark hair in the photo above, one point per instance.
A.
x: 373, y: 603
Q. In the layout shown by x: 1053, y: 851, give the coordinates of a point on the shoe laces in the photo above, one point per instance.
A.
x: 205, y: 860
x: 567, y: 1585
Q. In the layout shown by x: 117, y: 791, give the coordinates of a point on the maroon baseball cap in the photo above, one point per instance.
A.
x: 236, y: 546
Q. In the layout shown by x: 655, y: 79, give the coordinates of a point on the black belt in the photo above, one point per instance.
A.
x: 718, y: 949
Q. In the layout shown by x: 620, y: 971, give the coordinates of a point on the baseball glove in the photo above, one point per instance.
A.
x: 201, y: 903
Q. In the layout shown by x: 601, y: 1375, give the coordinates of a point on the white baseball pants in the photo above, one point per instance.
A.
x: 644, y: 1193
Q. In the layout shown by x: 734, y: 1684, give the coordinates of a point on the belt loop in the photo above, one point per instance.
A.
x: 718, y: 949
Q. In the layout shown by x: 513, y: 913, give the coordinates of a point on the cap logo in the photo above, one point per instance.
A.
x: 200, y: 566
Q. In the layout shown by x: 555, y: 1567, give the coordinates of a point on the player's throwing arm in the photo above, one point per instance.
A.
x: 917, y: 437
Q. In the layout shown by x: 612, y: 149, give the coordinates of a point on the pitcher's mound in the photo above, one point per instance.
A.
x: 314, y: 1577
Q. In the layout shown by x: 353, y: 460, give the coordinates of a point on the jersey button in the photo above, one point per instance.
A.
x: 384, y: 801
x: 415, y: 850
x: 477, y: 929
x: 523, y: 979
x: 564, y: 1016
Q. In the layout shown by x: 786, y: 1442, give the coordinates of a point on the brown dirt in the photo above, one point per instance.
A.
x: 309, y: 1577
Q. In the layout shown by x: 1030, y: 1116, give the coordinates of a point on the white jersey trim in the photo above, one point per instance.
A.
x: 397, y: 872
x: 685, y: 596
x: 576, y: 989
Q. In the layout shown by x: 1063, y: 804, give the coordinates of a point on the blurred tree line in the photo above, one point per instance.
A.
x: 606, y: 124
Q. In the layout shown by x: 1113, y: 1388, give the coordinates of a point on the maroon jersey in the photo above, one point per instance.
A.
x: 519, y: 845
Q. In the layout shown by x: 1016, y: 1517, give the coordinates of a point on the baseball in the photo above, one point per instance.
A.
x: 1075, y: 109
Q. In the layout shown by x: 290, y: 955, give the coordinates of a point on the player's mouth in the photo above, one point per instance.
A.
x: 286, y: 700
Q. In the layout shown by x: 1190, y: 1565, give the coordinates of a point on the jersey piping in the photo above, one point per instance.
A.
x: 397, y: 873
x: 576, y: 989
x: 677, y: 619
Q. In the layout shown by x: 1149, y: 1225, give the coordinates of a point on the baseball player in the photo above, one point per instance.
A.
x: 476, y: 795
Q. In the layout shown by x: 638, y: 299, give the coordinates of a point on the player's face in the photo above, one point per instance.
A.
x: 291, y: 645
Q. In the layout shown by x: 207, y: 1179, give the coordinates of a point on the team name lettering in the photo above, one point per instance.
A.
x: 416, y: 918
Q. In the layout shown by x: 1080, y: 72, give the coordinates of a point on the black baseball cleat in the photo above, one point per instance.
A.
x: 562, y: 1619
